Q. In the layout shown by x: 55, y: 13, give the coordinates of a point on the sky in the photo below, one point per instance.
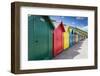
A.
x: 74, y: 21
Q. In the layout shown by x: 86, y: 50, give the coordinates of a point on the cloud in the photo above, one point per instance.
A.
x: 73, y: 23
x: 79, y: 18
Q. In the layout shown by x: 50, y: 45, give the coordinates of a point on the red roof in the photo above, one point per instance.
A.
x: 62, y: 25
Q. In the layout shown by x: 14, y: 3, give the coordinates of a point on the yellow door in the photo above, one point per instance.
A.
x: 65, y: 40
x: 67, y: 37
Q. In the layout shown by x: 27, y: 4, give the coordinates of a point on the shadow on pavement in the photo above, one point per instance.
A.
x: 71, y: 52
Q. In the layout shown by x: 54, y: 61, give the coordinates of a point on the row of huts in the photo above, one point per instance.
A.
x: 46, y: 39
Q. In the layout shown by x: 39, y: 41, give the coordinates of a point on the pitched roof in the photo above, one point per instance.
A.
x: 57, y: 24
x: 62, y: 25
x: 49, y: 21
x: 67, y: 28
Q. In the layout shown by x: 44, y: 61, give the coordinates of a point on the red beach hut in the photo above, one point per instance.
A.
x: 58, y: 39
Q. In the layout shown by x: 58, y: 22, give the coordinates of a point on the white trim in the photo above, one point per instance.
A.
x: 25, y: 64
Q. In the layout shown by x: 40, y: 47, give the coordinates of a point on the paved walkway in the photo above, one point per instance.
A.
x: 78, y: 51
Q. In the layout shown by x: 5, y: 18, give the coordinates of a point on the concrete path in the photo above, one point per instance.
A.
x: 78, y: 51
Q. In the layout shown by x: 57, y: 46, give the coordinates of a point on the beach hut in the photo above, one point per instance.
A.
x: 58, y: 39
x: 78, y: 37
x: 40, y: 37
x: 74, y: 33
x: 75, y: 37
x: 66, y: 37
x: 71, y: 37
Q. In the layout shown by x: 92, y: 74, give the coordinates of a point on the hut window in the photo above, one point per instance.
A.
x: 42, y: 19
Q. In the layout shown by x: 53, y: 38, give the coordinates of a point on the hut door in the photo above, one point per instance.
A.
x: 59, y: 41
x: 71, y: 39
x: 65, y: 40
x: 38, y: 39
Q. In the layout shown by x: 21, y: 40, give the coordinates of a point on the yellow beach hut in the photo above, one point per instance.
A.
x: 66, y: 37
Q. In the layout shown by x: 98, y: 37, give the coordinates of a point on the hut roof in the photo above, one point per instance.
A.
x: 49, y: 21
x: 57, y: 24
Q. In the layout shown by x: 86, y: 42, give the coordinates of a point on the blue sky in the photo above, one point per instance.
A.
x: 75, y: 21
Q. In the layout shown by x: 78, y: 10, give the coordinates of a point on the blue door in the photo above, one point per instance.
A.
x: 71, y: 38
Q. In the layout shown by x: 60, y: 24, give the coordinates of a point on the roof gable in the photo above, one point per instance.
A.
x: 57, y: 25
x: 62, y: 25
x: 67, y: 28
x: 49, y: 21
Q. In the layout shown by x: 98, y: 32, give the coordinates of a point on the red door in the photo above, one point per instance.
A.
x: 58, y: 40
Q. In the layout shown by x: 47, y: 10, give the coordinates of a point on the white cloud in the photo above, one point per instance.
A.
x: 79, y: 18
x: 73, y: 23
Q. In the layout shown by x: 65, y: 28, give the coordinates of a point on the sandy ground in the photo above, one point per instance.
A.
x: 78, y: 51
